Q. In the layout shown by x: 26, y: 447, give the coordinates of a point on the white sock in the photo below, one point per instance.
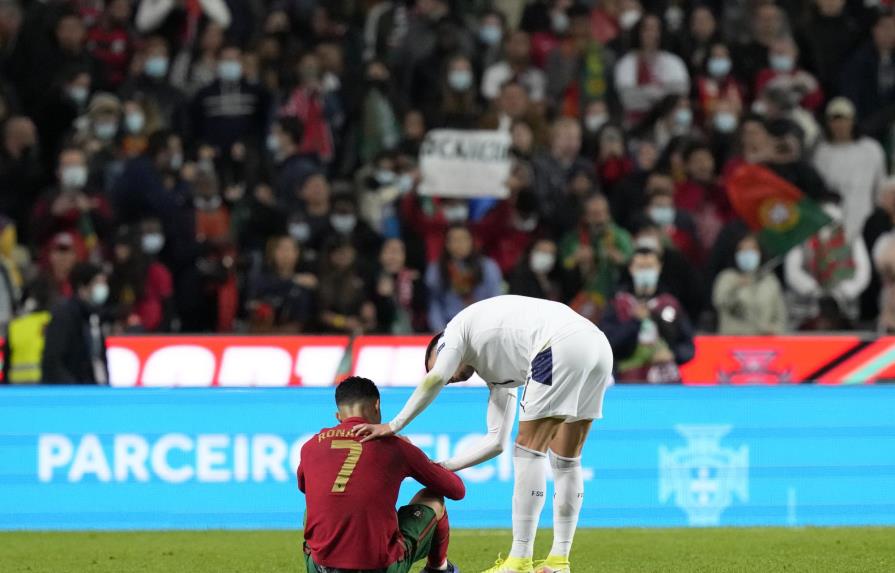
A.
x: 530, y: 482
x: 568, y: 484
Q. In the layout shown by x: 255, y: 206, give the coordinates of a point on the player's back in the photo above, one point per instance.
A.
x: 503, y: 333
x: 351, y: 489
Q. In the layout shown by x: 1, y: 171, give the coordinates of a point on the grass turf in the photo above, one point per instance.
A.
x: 814, y: 550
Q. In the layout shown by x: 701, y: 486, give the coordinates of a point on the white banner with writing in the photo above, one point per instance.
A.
x: 460, y: 163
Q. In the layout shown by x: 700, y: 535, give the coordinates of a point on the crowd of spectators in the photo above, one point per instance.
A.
x: 252, y: 165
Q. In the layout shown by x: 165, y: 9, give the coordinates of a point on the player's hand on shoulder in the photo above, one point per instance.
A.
x: 373, y: 431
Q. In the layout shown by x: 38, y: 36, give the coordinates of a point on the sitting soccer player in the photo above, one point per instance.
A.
x: 351, y: 489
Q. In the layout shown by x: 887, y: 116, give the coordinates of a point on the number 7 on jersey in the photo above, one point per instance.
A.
x: 355, y: 449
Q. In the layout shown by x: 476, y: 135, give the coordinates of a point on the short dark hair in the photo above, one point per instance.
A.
x: 83, y: 274
x: 431, y: 347
x: 647, y: 252
x: 356, y: 389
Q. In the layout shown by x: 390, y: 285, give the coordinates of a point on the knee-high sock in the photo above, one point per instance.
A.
x: 530, y: 481
x: 438, y: 552
x: 569, y: 495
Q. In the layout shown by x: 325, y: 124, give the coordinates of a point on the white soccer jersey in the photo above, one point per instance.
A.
x: 499, y: 337
x: 505, y: 339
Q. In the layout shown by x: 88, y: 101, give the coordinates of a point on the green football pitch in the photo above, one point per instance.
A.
x: 760, y: 550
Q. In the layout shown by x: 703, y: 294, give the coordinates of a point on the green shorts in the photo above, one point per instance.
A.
x: 417, y: 525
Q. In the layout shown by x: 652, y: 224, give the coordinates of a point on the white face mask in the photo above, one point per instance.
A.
x: 300, y: 231
x: 134, y: 122
x: 78, y: 94
x: 719, y: 67
x: 748, y: 260
x: 105, y: 131
x: 176, y: 161
x: 782, y: 62
x: 662, y: 215
x: 74, y: 177
x: 628, y: 19
x: 683, y: 118
x: 593, y: 123
x: 541, y: 262
x: 99, y: 294
x: 645, y: 280
x: 527, y: 224
x: 456, y: 213
x: 153, y: 243
x: 229, y: 70
x: 273, y: 143
x: 404, y: 183
x: 559, y: 21
x: 343, y: 223
x: 490, y: 35
x: 460, y: 80
x: 725, y: 122
x: 384, y: 176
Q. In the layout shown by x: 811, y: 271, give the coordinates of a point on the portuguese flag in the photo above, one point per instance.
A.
x: 775, y: 208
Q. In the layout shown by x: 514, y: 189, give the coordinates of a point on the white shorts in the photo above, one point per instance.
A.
x: 568, y: 379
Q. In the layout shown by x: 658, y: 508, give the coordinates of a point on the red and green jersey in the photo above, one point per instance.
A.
x: 351, y: 489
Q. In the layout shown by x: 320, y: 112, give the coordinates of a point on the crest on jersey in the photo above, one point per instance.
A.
x: 703, y: 477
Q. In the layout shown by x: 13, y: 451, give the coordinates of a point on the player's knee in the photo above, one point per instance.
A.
x: 430, y: 499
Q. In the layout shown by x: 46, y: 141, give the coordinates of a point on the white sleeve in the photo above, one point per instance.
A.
x: 853, y: 287
x: 795, y: 275
x: 501, y: 413
x: 151, y: 14
x: 445, y: 366
x: 217, y: 11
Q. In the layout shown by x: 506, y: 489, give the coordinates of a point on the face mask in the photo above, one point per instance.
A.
x: 719, y: 67
x: 683, y: 117
x: 301, y: 232
x: 526, y: 225
x: 134, y: 122
x: 343, y: 224
x: 273, y: 143
x: 156, y: 67
x: 725, y: 122
x: 628, y: 19
x: 782, y: 62
x: 645, y: 280
x: 593, y: 123
x: 152, y: 243
x: 176, y: 161
x: 650, y: 243
x: 560, y: 22
x: 78, y: 94
x: 542, y: 262
x: 405, y: 183
x: 207, y: 203
x: 456, y: 213
x: 105, y: 131
x: 490, y: 35
x: 748, y: 260
x: 384, y: 177
x: 99, y: 294
x: 460, y: 80
x: 229, y: 71
x: 662, y: 216
x: 74, y: 177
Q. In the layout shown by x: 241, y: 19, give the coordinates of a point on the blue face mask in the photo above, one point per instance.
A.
x: 134, y: 122
x: 748, y: 260
x: 683, y: 117
x: 645, y: 280
x: 782, y: 62
x: 725, y: 122
x: 105, y: 131
x: 156, y: 67
x: 230, y: 71
x: 719, y: 67
x: 662, y: 216
x: 490, y: 35
x: 460, y: 80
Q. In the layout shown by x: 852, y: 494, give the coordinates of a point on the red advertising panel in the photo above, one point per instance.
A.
x: 399, y: 360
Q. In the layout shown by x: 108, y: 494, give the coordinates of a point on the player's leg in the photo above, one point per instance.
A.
x: 426, y: 531
x: 568, y: 483
x: 568, y: 443
x: 529, y: 486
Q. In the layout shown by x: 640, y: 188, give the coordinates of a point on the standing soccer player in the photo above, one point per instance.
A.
x: 564, y: 363
x: 351, y: 489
